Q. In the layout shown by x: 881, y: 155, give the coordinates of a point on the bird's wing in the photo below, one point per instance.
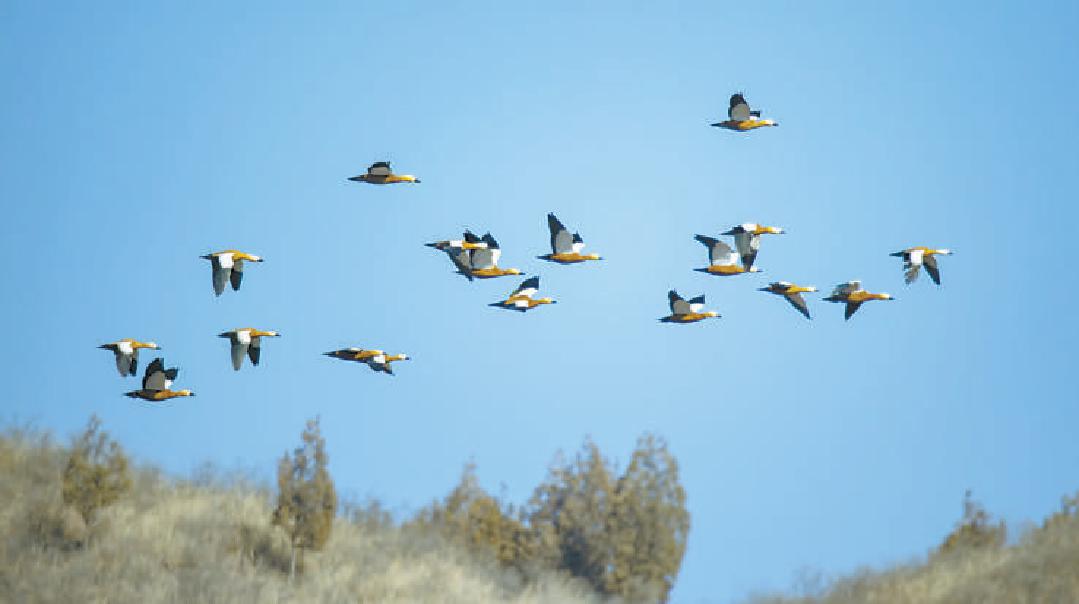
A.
x: 481, y: 259
x: 748, y: 244
x: 561, y: 239
x: 578, y: 243
x: 912, y: 273
x: 528, y: 288
x: 461, y: 258
x: 123, y: 363
x: 678, y: 304
x: 237, y: 275
x: 721, y: 254
x: 380, y: 168
x: 846, y: 289
x: 154, y: 378
x: 696, y: 304
x: 739, y: 108
x: 254, y: 349
x: 852, y: 307
x: 471, y: 237
x: 718, y: 252
x: 932, y: 268
x: 221, y: 277
x: 914, y: 257
x: 239, y: 350
x: 798, y: 302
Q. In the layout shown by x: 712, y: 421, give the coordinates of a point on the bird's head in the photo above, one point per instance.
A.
x: 150, y: 345
x: 944, y: 251
x: 271, y: 334
x: 771, y: 230
x: 249, y: 257
x: 184, y: 393
x: 755, y: 269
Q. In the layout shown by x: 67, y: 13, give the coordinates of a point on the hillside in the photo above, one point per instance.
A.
x: 178, y: 541
x: 972, y: 566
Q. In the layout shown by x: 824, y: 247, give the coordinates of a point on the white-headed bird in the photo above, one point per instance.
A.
x: 228, y: 266
x: 377, y: 360
x: 523, y: 298
x: 483, y: 262
x: 246, y: 341
x: 721, y: 259
x: 126, y: 352
x: 852, y: 294
x: 156, y: 383
x: 565, y: 247
x: 915, y: 258
x: 460, y: 251
x: 747, y: 238
x: 683, y: 311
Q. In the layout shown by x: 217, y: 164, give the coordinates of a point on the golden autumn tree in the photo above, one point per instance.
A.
x: 306, y: 499
x: 479, y: 521
x: 627, y: 535
x: 96, y: 473
x: 975, y: 530
x: 649, y: 525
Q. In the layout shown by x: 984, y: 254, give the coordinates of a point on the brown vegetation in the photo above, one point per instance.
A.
x: 306, y: 498
x: 973, y: 565
x: 214, y: 538
x: 624, y: 535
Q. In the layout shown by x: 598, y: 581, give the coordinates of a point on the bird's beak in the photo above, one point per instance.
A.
x: 417, y: 181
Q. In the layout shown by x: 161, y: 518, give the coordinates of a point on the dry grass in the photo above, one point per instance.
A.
x: 211, y: 541
x: 1043, y: 567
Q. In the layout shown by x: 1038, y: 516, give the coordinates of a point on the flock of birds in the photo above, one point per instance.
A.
x: 477, y: 257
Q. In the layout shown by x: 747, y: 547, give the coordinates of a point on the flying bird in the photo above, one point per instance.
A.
x: 380, y: 173
x: 747, y: 238
x: 126, y: 352
x: 460, y: 251
x: 228, y: 266
x: 523, y: 298
x: 565, y: 247
x: 791, y: 293
x: 246, y: 341
x: 683, y: 311
x: 721, y: 258
x: 915, y: 258
x: 483, y: 262
x: 377, y: 360
x: 156, y: 383
x: 741, y: 118
x: 854, y: 296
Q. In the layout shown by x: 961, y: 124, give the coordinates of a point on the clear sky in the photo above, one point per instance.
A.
x: 134, y: 138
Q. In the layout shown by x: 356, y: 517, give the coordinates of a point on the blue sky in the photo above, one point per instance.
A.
x: 134, y: 138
